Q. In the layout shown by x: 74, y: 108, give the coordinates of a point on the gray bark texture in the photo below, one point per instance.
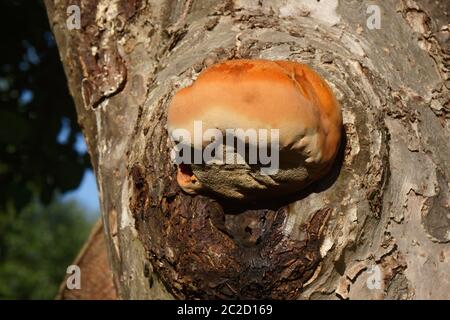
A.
x: 377, y: 228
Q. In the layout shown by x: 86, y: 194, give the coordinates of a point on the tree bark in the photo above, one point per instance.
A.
x: 377, y: 228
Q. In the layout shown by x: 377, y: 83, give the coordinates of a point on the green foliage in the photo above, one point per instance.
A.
x: 37, y: 242
x: 34, y: 105
x: 36, y: 246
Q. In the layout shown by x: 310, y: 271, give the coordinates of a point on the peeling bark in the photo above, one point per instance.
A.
x: 385, y: 207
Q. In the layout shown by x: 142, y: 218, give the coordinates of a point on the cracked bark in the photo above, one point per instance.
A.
x: 386, y: 205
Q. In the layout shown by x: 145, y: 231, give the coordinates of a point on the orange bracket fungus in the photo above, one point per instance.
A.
x: 280, y: 117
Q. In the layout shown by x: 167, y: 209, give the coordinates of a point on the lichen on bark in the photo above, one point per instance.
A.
x: 386, y: 202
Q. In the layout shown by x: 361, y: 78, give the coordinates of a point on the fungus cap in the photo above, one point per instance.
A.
x: 260, y: 94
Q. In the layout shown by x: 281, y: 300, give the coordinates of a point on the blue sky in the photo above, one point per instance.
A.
x: 86, y: 194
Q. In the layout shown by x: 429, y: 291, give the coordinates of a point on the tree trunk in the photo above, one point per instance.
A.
x: 377, y: 228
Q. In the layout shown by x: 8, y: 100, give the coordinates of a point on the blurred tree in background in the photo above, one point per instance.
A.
x: 35, y: 159
x: 38, y: 157
x: 38, y: 245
